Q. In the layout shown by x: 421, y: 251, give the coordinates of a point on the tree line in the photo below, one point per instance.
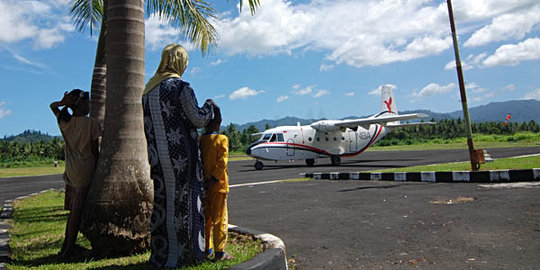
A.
x: 240, y: 140
x: 454, y: 128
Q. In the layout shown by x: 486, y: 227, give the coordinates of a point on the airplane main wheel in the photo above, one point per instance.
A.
x: 336, y: 161
x: 310, y: 162
x: 258, y: 165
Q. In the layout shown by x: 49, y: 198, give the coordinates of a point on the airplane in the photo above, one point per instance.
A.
x: 332, y: 139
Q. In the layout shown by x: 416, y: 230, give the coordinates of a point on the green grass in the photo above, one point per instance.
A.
x: 481, y: 141
x: 498, y: 164
x: 38, y: 231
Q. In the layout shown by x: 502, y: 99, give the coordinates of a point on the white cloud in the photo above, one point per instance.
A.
x: 349, y: 94
x: 244, y: 93
x: 510, y: 87
x: 378, y: 91
x: 513, y: 54
x: 507, y: 26
x: 195, y: 70
x: 25, y: 61
x: 303, y: 91
x: 433, y: 89
x: 48, y: 38
x: 219, y: 97
x: 217, y: 62
x: 470, y: 62
x: 533, y: 95
x: 309, y: 90
x: 325, y: 67
x: 158, y: 33
x: 282, y: 98
x: 45, y: 23
x: 321, y: 93
x: 377, y: 32
x: 3, y: 112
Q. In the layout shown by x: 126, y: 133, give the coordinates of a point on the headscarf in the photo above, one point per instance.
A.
x: 174, y: 60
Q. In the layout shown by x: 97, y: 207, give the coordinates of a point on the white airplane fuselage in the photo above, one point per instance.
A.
x: 305, y: 142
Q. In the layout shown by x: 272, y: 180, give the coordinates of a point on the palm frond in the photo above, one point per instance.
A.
x: 191, y: 16
x: 87, y: 13
x: 253, y: 4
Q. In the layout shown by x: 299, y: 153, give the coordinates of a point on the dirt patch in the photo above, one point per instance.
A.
x: 459, y: 199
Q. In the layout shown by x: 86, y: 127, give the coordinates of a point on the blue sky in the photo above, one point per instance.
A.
x: 310, y: 59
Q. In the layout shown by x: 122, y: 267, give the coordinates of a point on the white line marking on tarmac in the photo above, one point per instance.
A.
x: 511, y: 185
x: 257, y: 183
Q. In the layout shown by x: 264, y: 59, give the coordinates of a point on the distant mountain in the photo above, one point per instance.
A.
x: 30, y: 136
x: 520, y: 110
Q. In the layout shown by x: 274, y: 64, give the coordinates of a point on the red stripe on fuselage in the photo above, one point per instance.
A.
x: 320, y: 151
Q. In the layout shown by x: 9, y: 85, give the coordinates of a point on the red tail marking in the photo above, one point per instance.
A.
x: 388, y: 104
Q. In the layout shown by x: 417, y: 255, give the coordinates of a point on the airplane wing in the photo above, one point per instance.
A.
x: 352, y: 123
x: 410, y: 124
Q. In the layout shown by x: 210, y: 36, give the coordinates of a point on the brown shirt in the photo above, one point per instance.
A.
x: 79, y: 135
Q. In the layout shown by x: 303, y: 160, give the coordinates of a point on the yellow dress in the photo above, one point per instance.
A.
x: 215, y: 155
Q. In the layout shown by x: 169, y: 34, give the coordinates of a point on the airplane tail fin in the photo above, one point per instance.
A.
x: 388, y: 103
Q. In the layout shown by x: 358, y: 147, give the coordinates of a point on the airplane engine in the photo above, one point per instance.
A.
x: 325, y: 126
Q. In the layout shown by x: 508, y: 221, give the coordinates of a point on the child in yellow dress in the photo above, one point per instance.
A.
x: 214, y: 154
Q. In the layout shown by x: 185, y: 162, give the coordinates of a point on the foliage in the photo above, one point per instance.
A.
x: 29, y: 136
x: 239, y: 141
x: 38, y: 231
x: 449, y: 129
x: 31, y: 151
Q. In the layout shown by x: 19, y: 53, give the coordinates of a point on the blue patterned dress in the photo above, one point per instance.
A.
x: 171, y: 119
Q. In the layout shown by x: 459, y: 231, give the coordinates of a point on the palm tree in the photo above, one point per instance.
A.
x: 120, y: 198
x: 119, y: 202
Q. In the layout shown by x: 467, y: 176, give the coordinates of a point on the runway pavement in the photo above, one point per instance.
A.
x: 378, y: 225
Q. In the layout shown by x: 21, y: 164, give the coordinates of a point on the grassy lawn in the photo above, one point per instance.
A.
x: 498, y: 164
x: 38, y: 232
x: 18, y: 169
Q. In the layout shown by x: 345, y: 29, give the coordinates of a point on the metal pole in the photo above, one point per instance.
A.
x: 474, y: 165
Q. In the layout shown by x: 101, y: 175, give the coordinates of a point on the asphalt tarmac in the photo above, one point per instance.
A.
x: 377, y: 225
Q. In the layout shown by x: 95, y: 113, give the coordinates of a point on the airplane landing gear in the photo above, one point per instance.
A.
x: 336, y: 160
x: 258, y: 165
x: 310, y: 162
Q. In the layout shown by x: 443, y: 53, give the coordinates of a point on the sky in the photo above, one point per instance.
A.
x: 308, y: 59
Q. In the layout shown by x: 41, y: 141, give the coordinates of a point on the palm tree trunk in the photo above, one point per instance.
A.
x: 99, y: 78
x: 119, y: 202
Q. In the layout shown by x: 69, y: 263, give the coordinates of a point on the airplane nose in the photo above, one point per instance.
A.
x: 248, y: 150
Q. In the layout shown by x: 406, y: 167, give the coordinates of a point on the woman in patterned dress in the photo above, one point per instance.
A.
x: 171, y: 119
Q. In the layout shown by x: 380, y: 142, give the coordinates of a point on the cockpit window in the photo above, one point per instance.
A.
x: 266, y: 137
x: 273, y: 139
x: 280, y: 137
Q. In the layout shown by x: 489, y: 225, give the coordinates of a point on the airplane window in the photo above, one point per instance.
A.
x: 335, y: 139
x: 318, y: 139
x: 342, y: 138
x: 309, y: 139
x: 280, y: 137
x: 266, y: 137
x: 273, y: 138
x: 326, y: 139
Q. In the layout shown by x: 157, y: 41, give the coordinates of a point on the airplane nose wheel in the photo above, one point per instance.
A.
x: 336, y: 161
x: 258, y: 165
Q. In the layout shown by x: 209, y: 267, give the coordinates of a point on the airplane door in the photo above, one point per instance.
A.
x: 290, y: 147
x: 352, y: 141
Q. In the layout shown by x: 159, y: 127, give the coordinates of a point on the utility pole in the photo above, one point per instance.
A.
x: 472, y: 153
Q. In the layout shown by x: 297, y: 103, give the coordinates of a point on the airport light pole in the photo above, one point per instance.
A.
x: 472, y: 154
